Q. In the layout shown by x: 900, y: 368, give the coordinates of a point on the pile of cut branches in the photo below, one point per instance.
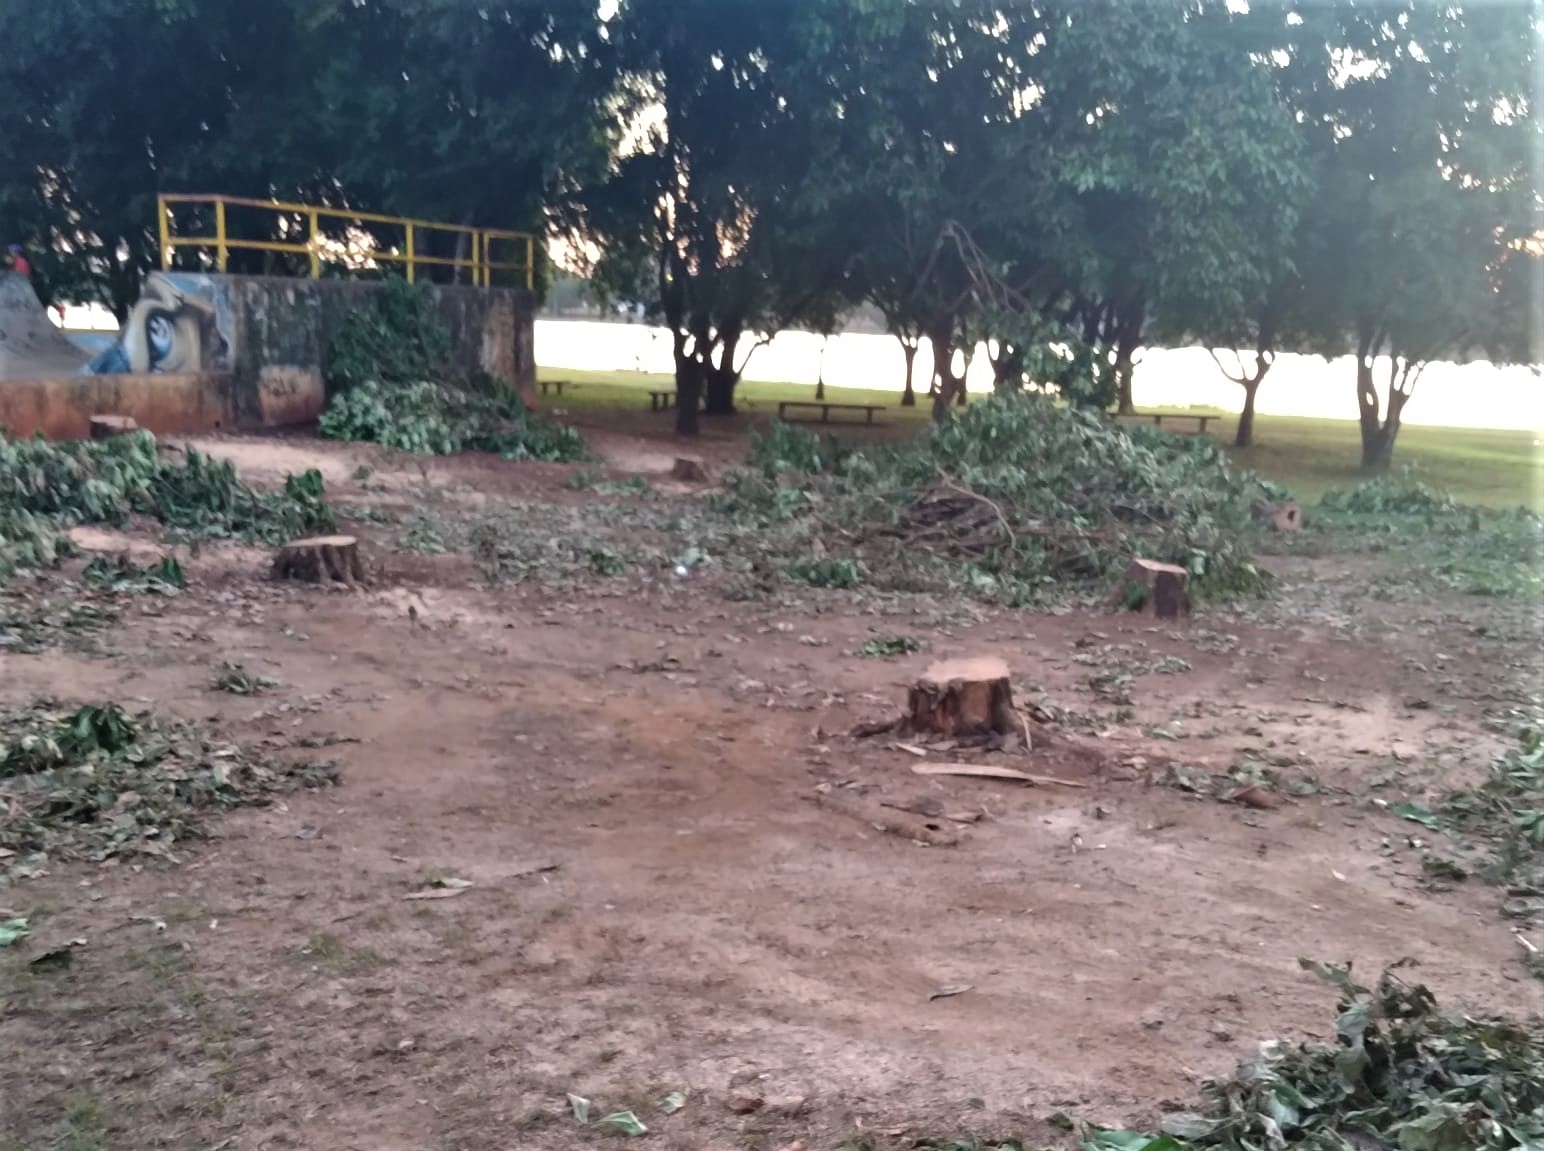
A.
x: 47, y: 487
x: 1401, y: 1073
x: 98, y: 782
x: 391, y: 379
x: 1014, y: 496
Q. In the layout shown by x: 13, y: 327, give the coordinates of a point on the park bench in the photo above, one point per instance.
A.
x: 551, y: 385
x: 1159, y: 417
x: 826, y: 409
x: 659, y: 401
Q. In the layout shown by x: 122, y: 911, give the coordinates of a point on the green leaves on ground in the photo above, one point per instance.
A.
x: 121, y: 574
x: 1472, y: 550
x: 1400, y: 1074
x: 97, y: 782
x: 391, y: 382
x: 890, y: 646
x: 47, y: 487
x: 1014, y: 496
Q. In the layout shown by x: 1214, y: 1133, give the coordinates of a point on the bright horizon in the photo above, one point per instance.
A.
x: 1473, y: 395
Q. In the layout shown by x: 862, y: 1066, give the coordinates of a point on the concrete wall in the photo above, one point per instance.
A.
x: 61, y: 407
x: 274, y: 334
x: 281, y: 329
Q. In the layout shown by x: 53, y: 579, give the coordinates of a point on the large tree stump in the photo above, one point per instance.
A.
x: 320, y: 559
x: 1285, y: 516
x: 689, y: 469
x: 106, y: 427
x: 1154, y: 589
x: 962, y: 697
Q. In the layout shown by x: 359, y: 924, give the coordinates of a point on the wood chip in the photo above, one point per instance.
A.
x: 437, y: 893
x: 991, y: 771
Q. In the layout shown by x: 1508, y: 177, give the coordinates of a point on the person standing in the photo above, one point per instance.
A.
x: 17, y: 258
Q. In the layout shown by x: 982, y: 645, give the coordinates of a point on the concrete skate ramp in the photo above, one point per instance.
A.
x: 30, y: 346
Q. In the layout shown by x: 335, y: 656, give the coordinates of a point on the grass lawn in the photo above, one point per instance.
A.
x: 1499, y: 468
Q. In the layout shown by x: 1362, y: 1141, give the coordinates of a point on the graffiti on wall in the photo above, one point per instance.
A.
x: 182, y: 323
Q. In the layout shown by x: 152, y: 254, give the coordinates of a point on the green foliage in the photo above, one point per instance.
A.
x: 890, y: 646
x: 97, y: 783
x: 1474, y: 550
x: 1013, y: 497
x: 46, y: 487
x: 1506, y: 813
x: 391, y: 383
x: 120, y: 573
x: 837, y: 573
x: 1400, y: 1074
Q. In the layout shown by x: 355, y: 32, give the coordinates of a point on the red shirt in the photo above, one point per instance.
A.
x: 20, y: 266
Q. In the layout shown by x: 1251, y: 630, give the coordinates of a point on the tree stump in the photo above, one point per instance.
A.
x: 1285, y: 516
x: 962, y: 697
x: 1154, y: 589
x: 689, y: 469
x: 106, y: 427
x: 320, y: 559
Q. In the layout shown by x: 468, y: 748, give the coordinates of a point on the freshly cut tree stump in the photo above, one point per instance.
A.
x: 1285, y: 516
x: 689, y: 469
x: 962, y: 697
x: 1154, y: 589
x: 106, y: 427
x: 320, y: 559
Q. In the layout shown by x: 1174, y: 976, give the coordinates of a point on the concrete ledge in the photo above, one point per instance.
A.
x: 61, y: 407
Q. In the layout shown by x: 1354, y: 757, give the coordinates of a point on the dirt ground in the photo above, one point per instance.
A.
x: 642, y: 786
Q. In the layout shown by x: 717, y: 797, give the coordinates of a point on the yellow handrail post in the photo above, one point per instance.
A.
x: 479, y: 255
x: 412, y: 270
x: 530, y: 263
x: 316, y: 254
x: 163, y: 218
x: 223, y: 252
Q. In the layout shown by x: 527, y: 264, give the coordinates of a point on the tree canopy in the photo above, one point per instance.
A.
x: 1066, y: 180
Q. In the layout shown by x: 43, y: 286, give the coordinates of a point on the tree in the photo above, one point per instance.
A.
x: 484, y: 113
x: 727, y: 189
x: 1421, y: 129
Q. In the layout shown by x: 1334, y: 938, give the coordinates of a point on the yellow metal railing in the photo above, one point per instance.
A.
x: 319, y: 246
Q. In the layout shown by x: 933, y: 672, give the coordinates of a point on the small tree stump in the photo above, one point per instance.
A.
x: 320, y: 559
x: 106, y: 427
x: 689, y: 469
x: 962, y: 697
x: 1154, y: 589
x: 1285, y: 516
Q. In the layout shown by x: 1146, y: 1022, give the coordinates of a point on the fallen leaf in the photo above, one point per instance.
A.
x: 580, y: 1106
x: 673, y: 1102
x: 625, y: 1122
x: 12, y: 931
x: 948, y: 991
x: 1256, y: 797
x: 744, y: 1103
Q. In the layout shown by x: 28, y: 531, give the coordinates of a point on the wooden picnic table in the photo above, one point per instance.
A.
x: 1159, y: 417
x: 662, y: 400
x: 552, y: 385
x: 827, y: 408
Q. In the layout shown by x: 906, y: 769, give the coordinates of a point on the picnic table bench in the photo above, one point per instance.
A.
x: 826, y: 409
x: 1159, y: 417
x: 552, y: 385
x: 660, y: 401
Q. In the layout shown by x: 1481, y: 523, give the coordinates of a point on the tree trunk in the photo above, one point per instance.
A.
x: 1007, y: 369
x: 1125, y: 367
x: 721, y: 379
x: 1375, y: 454
x: 909, y: 350
x: 1244, y: 437
x: 941, y: 336
x: 961, y: 384
x: 689, y: 371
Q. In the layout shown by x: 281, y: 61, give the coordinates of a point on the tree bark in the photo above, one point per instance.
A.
x: 689, y: 371
x: 941, y: 335
x: 1244, y: 437
x: 1125, y: 367
x: 721, y: 379
x: 909, y: 350
x: 1007, y: 368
